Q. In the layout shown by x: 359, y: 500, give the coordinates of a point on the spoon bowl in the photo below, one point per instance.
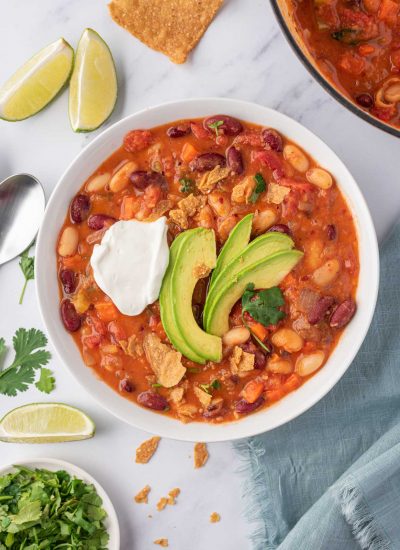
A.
x: 22, y: 204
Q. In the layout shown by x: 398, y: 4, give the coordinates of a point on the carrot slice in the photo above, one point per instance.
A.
x: 106, y: 311
x: 259, y: 330
x: 293, y: 382
x: 252, y: 390
x: 188, y: 152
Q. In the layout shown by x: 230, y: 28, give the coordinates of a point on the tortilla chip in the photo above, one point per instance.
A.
x: 141, y: 497
x: 146, y: 450
x: 161, y: 504
x: 172, y: 496
x: 172, y: 27
x: 162, y: 542
x: 200, y: 455
x: 276, y: 193
x: 215, y: 517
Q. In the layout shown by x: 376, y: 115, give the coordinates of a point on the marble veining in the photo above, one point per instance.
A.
x: 242, y: 55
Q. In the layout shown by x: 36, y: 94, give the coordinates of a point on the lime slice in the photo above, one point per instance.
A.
x: 37, y: 83
x: 93, y: 86
x: 45, y: 423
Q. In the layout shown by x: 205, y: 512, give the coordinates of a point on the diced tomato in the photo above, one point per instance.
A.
x: 130, y: 205
x: 98, y: 326
x: 358, y: 21
x: 388, y: 12
x: 137, y: 140
x: 106, y: 311
x: 188, y: 152
x: 152, y: 195
x: 253, y: 138
x: 273, y: 161
x: 92, y: 341
x: 352, y: 63
x: 117, y: 331
x: 297, y: 184
x: 199, y: 131
x: 252, y: 390
x: 383, y: 114
x: 274, y: 395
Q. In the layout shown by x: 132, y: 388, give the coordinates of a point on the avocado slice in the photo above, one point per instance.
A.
x: 257, y: 250
x: 196, y: 252
x: 165, y: 300
x: 263, y: 274
x: 238, y: 239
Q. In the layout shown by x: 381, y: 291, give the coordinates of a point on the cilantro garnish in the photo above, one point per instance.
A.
x: 347, y: 36
x: 27, y: 265
x: 214, y: 385
x: 260, y: 187
x: 43, y: 509
x: 187, y: 185
x: 28, y: 358
x: 215, y: 126
x: 263, y: 305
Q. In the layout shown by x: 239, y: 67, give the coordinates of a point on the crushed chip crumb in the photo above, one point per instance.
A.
x: 141, y: 497
x: 215, y: 517
x: 161, y: 504
x: 172, y: 495
x: 162, y: 542
x: 276, y: 193
x: 146, y: 450
x: 200, y: 455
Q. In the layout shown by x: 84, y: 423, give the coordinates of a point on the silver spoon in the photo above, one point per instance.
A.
x: 22, y: 205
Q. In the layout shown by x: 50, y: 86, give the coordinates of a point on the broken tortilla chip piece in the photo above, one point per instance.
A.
x: 162, y: 542
x: 146, y: 450
x: 141, y: 497
x: 215, y: 517
x: 172, y: 27
x: 200, y: 455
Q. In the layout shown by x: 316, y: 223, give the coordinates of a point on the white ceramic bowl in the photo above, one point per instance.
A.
x: 52, y: 464
x: 292, y: 405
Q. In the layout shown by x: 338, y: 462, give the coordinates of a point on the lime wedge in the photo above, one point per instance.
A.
x: 37, y: 83
x: 93, y: 86
x: 45, y: 423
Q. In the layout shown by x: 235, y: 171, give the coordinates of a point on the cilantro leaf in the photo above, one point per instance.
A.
x: 28, y: 357
x: 214, y: 385
x: 260, y: 187
x: 3, y: 349
x: 215, y: 126
x: 46, y: 381
x: 27, y: 265
x: 263, y: 305
x: 187, y: 185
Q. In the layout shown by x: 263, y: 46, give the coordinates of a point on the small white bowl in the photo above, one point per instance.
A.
x: 292, y: 405
x: 52, y: 464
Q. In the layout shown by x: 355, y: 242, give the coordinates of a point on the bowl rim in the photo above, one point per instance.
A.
x: 324, y: 81
x: 53, y: 464
x: 201, y: 431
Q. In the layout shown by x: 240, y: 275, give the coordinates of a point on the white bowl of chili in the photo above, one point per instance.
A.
x: 293, y: 404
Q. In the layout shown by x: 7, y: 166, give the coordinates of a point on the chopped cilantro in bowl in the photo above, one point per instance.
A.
x: 43, y: 509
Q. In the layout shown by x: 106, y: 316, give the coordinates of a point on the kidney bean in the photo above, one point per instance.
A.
x: 69, y: 316
x: 152, y: 400
x: 98, y: 221
x: 272, y: 139
x: 260, y: 359
x: 178, y: 131
x: 320, y: 309
x: 365, y: 100
x: 79, y: 209
x: 230, y: 126
x: 243, y: 407
x: 126, y: 385
x: 234, y: 160
x: 343, y: 313
x: 207, y: 161
x: 331, y: 232
x: 215, y: 409
x: 280, y: 228
x: 141, y: 179
x: 68, y: 280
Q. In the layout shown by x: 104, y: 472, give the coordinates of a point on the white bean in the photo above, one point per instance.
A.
x: 263, y: 220
x: 278, y: 365
x: 307, y: 364
x: 287, y: 339
x: 98, y: 183
x: 296, y: 158
x: 327, y: 273
x: 220, y: 203
x: 319, y: 177
x: 68, y: 243
x: 236, y: 336
x: 120, y: 179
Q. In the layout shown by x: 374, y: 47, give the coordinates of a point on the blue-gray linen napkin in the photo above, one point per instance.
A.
x: 330, y: 479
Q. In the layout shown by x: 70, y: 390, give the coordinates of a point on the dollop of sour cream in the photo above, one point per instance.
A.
x: 130, y: 262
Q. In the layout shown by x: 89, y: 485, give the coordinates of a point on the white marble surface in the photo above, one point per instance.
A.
x: 243, y: 55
